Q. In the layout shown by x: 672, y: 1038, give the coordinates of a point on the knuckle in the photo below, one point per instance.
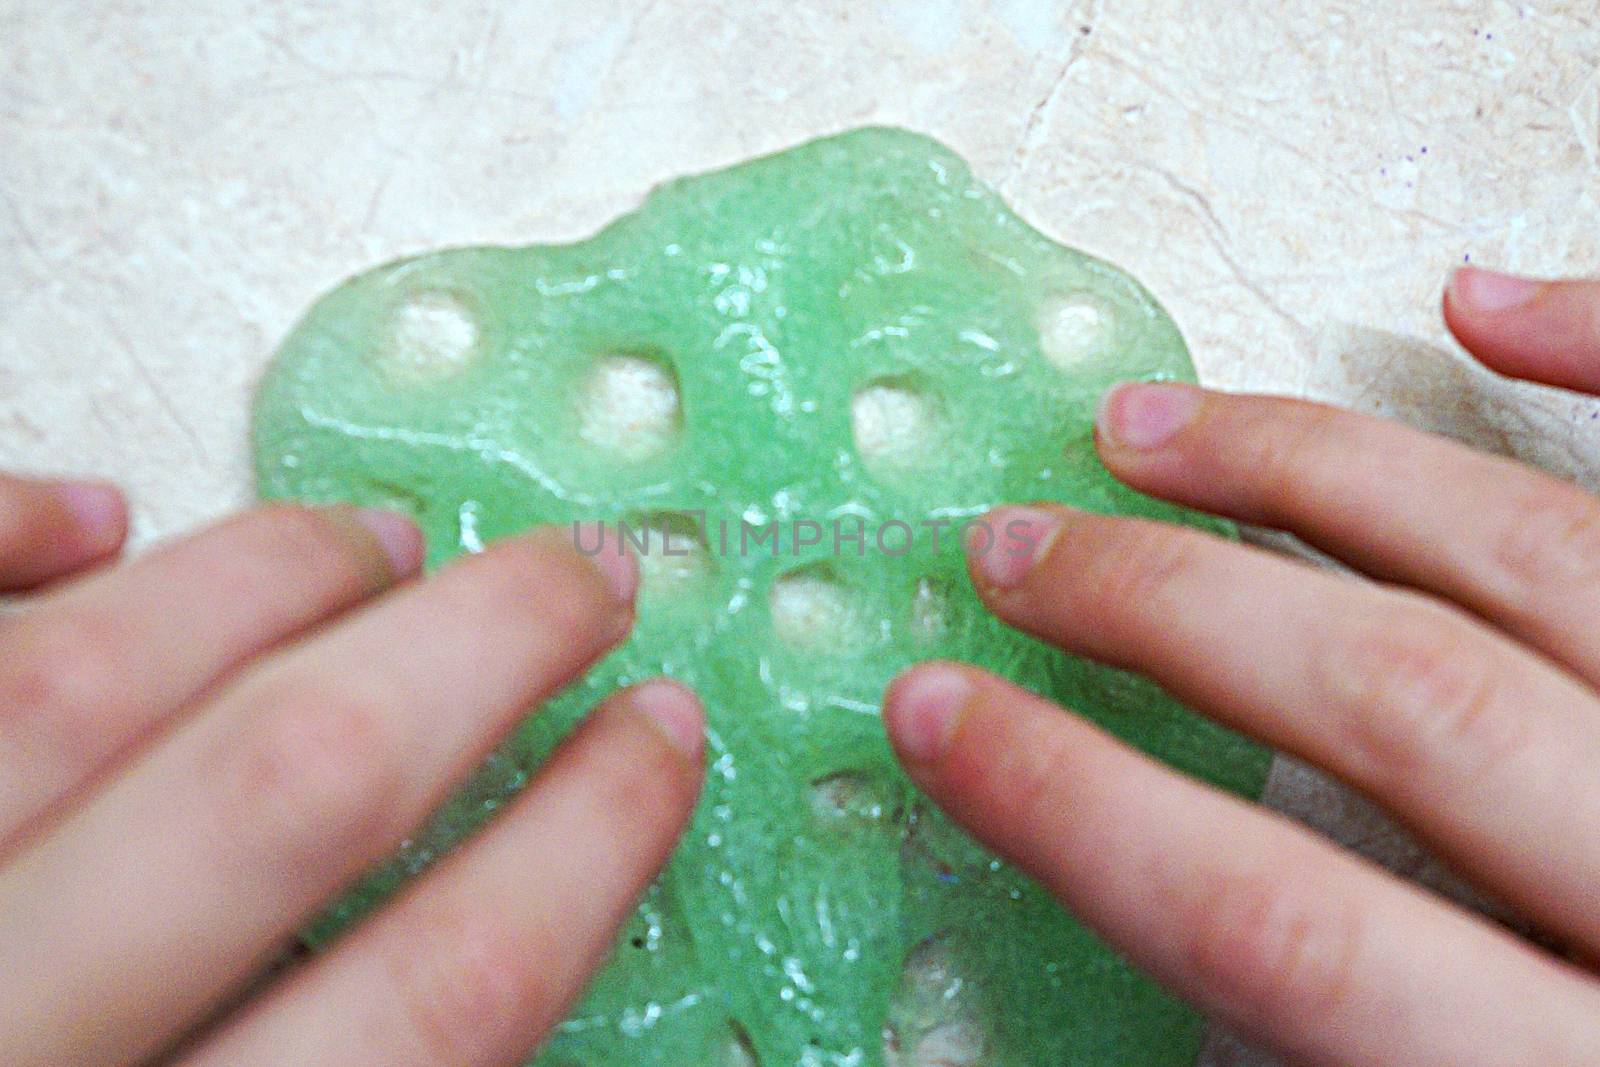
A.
x: 533, y: 580
x: 1587, y: 296
x: 1420, y: 694
x: 462, y: 981
x: 316, y: 771
x: 281, y: 539
x: 1551, y: 542
x: 653, y: 787
x: 521, y: 569
x: 1283, y: 456
x: 1034, y: 773
x: 1272, y: 950
x: 16, y: 527
x: 30, y: 521
x: 1138, y: 565
x: 62, y: 668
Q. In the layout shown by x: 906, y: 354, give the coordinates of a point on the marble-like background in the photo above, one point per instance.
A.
x: 179, y: 180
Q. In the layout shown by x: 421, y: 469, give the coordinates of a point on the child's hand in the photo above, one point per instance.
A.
x: 199, y: 749
x: 1459, y: 690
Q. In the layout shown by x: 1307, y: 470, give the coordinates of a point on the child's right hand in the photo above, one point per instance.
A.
x: 1461, y: 690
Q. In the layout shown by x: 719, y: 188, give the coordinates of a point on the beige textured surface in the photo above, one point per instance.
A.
x: 179, y: 180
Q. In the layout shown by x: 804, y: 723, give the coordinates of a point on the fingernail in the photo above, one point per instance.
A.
x: 98, y: 509
x: 397, y: 535
x: 1145, y: 416
x: 1009, y: 542
x: 1488, y: 290
x: 676, y: 712
x: 609, y: 556
x: 922, y: 710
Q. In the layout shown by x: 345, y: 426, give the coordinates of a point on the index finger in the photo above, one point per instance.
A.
x: 1542, y: 331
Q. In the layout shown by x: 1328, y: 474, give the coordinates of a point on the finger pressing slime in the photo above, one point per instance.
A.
x: 801, y: 375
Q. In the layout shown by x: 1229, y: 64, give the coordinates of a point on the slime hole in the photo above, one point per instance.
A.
x: 959, y: 1044
x: 432, y: 336
x: 629, y: 407
x: 1073, y: 329
x: 811, y: 608
x: 848, y: 795
x: 930, y: 610
x: 671, y: 550
x: 895, y: 423
x: 739, y: 1051
x: 933, y: 1019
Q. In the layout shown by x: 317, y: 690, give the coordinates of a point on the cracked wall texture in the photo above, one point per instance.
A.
x: 179, y: 180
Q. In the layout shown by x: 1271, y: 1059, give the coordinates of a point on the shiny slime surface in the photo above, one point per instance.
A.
x: 857, y: 331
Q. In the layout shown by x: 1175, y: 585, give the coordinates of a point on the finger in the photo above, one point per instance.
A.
x: 1544, y: 331
x: 1514, y: 545
x: 474, y: 965
x: 50, y: 529
x: 166, y: 888
x: 1485, y: 750
x: 1303, y: 947
x: 91, y: 669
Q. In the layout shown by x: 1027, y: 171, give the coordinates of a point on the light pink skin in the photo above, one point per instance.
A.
x: 1460, y: 691
x: 200, y: 747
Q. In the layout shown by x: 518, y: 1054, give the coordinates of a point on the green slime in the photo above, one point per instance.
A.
x: 853, y: 330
